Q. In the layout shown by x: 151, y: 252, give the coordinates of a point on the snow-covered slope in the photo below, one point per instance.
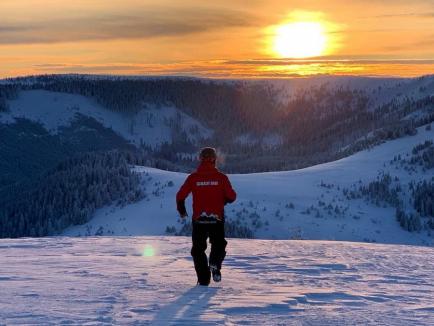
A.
x: 152, y: 125
x: 302, y: 204
x: 151, y: 281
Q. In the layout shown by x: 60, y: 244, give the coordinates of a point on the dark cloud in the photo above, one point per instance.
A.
x: 151, y: 24
x: 85, y: 68
x: 420, y: 43
x: 11, y: 28
x: 413, y: 15
x: 287, y: 62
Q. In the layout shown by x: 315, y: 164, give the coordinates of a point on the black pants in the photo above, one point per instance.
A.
x: 216, y: 234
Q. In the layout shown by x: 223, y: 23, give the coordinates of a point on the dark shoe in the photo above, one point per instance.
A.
x: 216, y: 275
x: 204, y: 278
x: 203, y: 283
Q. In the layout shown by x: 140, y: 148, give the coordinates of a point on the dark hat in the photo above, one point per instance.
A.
x: 208, y: 154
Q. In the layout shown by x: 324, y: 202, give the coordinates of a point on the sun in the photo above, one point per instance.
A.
x: 301, y: 39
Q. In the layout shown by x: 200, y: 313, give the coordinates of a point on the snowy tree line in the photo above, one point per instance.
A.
x: 423, y: 203
x: 3, y: 104
x: 27, y: 149
x: 7, y: 92
x: 422, y: 156
x: 388, y: 190
x: 378, y: 191
x: 423, y: 197
x: 69, y: 194
x: 420, y: 147
x: 408, y: 221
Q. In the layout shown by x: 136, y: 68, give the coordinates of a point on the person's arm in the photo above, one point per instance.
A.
x: 230, y: 194
x: 182, y: 194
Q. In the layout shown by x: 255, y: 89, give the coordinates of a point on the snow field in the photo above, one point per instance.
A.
x: 151, y: 281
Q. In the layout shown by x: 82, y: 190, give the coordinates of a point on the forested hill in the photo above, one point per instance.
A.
x: 66, y: 122
x: 266, y: 125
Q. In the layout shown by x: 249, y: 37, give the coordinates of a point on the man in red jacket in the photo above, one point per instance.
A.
x: 211, y: 190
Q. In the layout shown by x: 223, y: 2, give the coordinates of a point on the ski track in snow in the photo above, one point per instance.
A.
x: 107, y: 280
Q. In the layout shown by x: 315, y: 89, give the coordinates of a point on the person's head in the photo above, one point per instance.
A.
x: 208, y: 154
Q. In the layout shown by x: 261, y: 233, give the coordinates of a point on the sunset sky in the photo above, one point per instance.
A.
x: 226, y: 38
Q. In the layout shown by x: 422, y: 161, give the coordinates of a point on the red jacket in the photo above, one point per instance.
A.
x: 211, y: 191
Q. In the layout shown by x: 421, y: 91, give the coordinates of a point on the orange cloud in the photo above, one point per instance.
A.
x: 215, y: 39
